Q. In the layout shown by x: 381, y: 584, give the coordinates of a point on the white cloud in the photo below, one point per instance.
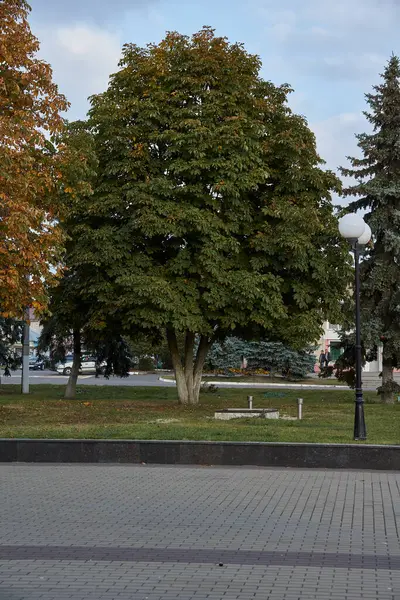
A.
x: 360, y: 13
x: 283, y: 24
x: 320, y: 32
x: 101, y: 12
x: 335, y: 40
x: 336, y: 140
x: 82, y: 58
x: 336, y: 137
x: 282, y: 31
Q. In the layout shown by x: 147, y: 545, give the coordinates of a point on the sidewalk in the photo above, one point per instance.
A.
x: 266, y: 385
x: 96, y: 532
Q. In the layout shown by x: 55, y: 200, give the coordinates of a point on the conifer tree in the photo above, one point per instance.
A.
x: 377, y: 189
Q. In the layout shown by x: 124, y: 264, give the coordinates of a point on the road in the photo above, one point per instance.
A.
x: 53, y: 378
x: 112, y: 532
x: 50, y: 377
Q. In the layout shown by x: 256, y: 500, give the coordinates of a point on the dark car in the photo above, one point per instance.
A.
x: 36, y: 364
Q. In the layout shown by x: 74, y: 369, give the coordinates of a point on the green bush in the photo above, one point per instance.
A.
x: 146, y: 363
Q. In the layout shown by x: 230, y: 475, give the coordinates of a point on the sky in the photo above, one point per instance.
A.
x: 330, y: 51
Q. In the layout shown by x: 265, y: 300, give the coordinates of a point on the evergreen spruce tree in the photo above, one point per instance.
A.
x: 378, y: 191
x: 275, y: 357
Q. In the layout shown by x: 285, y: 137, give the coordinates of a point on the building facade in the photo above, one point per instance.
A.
x: 330, y: 342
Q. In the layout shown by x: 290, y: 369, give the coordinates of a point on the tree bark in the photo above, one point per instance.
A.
x: 387, y: 394
x: 181, y: 385
x: 202, y: 352
x: 70, y: 391
x: 188, y: 358
x: 188, y: 375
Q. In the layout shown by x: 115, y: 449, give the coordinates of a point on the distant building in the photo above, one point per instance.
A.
x: 34, y: 333
x: 330, y: 342
x: 35, y: 329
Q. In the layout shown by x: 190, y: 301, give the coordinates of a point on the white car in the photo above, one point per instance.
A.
x: 88, y: 365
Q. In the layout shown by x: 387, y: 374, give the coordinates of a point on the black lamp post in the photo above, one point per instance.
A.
x: 357, y: 232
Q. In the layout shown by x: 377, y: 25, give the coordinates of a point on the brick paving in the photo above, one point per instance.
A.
x: 96, y: 532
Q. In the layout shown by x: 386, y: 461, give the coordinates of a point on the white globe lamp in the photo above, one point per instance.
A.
x: 351, y: 226
x: 366, y: 236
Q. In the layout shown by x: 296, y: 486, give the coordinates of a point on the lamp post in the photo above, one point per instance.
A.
x: 354, y: 229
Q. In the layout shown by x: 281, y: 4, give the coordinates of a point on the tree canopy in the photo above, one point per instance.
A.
x: 67, y: 324
x: 30, y: 107
x: 378, y: 193
x: 211, y: 211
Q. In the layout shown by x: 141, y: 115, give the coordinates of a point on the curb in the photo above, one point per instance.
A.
x: 268, y: 385
x: 163, y: 452
x: 156, y: 372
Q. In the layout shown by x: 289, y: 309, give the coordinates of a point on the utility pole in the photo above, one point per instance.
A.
x: 25, y: 356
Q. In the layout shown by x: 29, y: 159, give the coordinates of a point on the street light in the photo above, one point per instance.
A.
x: 354, y: 229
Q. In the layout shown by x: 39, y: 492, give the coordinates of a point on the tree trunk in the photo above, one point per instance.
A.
x: 181, y: 385
x: 188, y: 361
x: 387, y: 394
x: 188, y: 375
x: 70, y: 391
x: 202, y: 352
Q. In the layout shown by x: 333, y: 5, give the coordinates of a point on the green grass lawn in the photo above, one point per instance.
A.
x: 153, y: 413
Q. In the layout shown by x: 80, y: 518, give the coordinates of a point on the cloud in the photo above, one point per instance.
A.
x: 82, y: 58
x: 336, y: 137
x: 334, y: 40
x: 336, y: 140
x: 363, y: 66
x: 91, y: 11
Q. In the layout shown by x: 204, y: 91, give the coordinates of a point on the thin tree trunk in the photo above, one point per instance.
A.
x: 70, y: 391
x: 387, y: 377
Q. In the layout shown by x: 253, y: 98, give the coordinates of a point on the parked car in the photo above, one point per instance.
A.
x: 36, y: 363
x: 88, y: 365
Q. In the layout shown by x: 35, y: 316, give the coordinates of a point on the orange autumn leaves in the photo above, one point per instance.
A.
x: 30, y: 107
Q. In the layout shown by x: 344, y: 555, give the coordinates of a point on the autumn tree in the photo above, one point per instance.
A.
x: 211, y: 211
x: 30, y: 107
x: 377, y: 188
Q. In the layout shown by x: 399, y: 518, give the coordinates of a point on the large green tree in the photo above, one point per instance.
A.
x: 69, y: 324
x: 211, y: 211
x: 378, y: 190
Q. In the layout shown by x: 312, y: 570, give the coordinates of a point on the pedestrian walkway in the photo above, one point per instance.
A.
x: 96, y: 532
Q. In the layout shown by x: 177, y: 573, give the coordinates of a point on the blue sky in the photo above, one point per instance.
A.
x: 330, y: 51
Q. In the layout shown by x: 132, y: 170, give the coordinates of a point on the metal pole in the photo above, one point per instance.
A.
x: 25, y: 358
x: 360, y: 431
x: 250, y: 401
x: 299, y: 408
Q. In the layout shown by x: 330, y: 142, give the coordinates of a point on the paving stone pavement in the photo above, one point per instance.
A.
x: 110, y: 532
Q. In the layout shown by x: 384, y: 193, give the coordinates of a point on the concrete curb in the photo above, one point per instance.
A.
x: 321, y: 456
x: 156, y: 372
x: 269, y: 385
